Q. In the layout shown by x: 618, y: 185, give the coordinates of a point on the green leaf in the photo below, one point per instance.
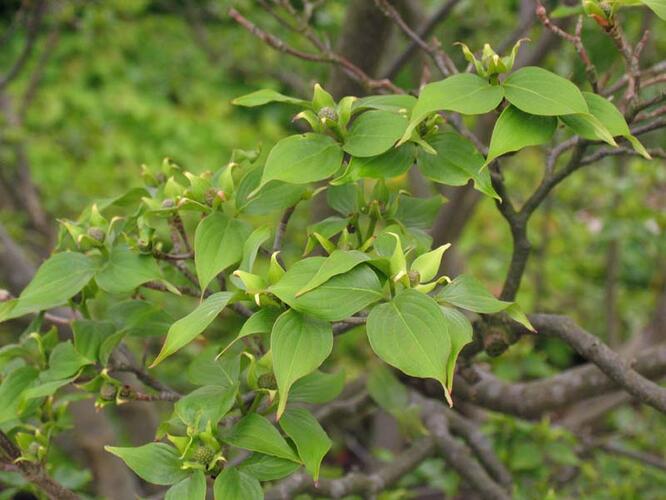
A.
x: 89, y: 335
x: 300, y: 159
x: 339, y: 262
x: 64, y: 361
x: 231, y: 484
x: 392, y: 102
x: 515, y: 130
x: 300, y: 345
x: 206, y: 404
x: 461, y: 334
x: 317, y: 388
x: 386, y: 390
x: 613, y: 120
x: 658, y: 7
x: 186, y: 329
x: 343, y: 199
x: 208, y: 369
x: 11, y: 390
x: 267, y: 468
x: 469, y: 293
x: 140, y: 319
x: 393, y: 163
x: 539, y: 92
x: 155, y: 463
x: 58, y: 279
x: 516, y: 313
x: 410, y: 334
x: 415, y: 212
x: 588, y: 127
x: 260, y: 322
x: 218, y: 243
x: 251, y: 247
x: 462, y: 93
x: 311, y: 440
x: 265, y: 96
x: 268, y: 198
x: 338, y: 298
x: 374, y: 132
x: 126, y: 270
x: 47, y: 388
x: 191, y: 488
x: 456, y: 162
x: 255, y: 433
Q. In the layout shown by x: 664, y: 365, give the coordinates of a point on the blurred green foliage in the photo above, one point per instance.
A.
x: 129, y: 85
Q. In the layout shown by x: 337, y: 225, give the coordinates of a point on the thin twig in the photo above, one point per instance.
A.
x: 325, y: 57
x: 33, y: 472
x: 424, y: 32
x: 439, y: 57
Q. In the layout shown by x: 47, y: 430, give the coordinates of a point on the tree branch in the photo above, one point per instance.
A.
x: 438, y: 16
x: 456, y: 454
x: 355, y: 482
x: 34, y: 473
x: 608, y: 361
x: 349, y: 68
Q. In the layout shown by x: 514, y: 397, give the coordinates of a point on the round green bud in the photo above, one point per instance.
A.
x: 328, y: 113
x: 97, y: 234
x: 202, y: 455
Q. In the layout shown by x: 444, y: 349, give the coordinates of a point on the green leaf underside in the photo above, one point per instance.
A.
x: 267, y: 468
x: 338, y: 298
x: 317, y: 388
x: 395, y: 102
x: 410, y: 334
x: 469, y: 293
x: 658, y: 7
x: 456, y: 162
x: 265, y: 96
x: 186, y: 329
x: 612, y: 119
x: 218, y: 244
x: 461, y: 333
x: 206, y: 404
x: 58, y: 279
x: 463, y: 93
x: 374, y: 132
x: 260, y: 322
x: 386, y: 390
x: 300, y: 159
x: 232, y: 484
x: 156, y: 463
x: 299, y: 345
x: 311, y: 440
x: 588, y: 127
x: 191, y: 488
x: 255, y: 433
x: 537, y: 91
x: 126, y: 270
x: 515, y: 130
